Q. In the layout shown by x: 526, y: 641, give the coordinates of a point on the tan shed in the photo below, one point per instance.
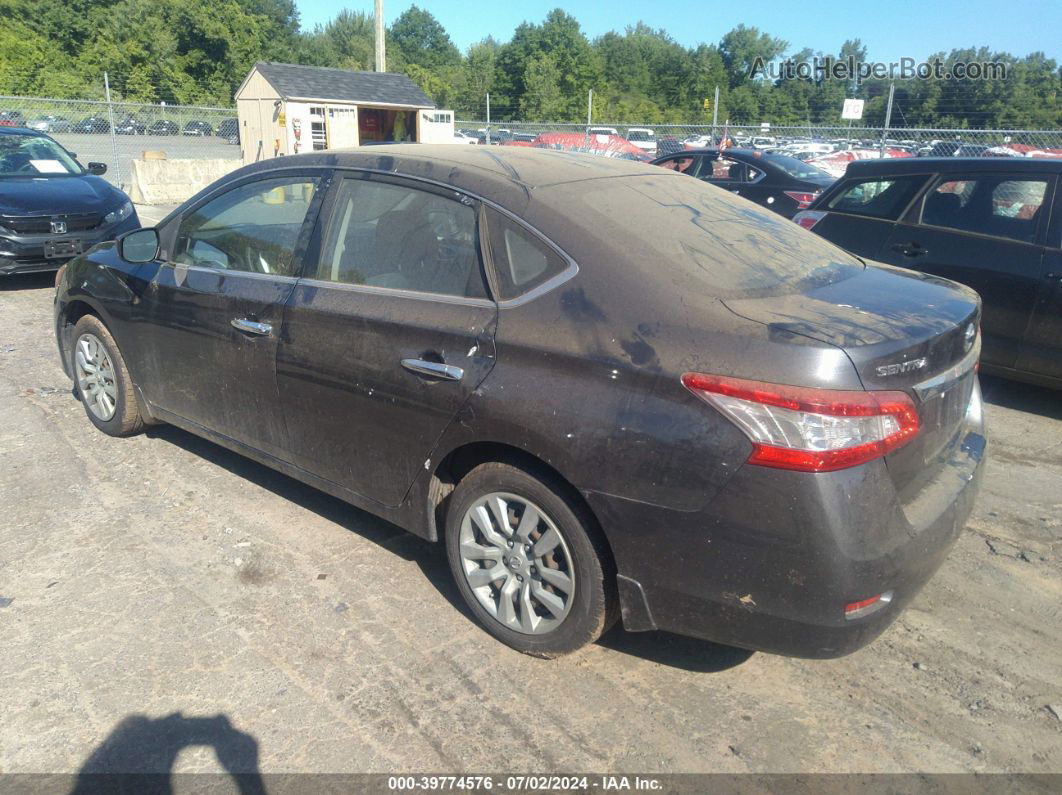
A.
x: 285, y: 109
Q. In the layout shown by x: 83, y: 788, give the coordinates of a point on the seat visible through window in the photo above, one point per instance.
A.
x: 386, y: 235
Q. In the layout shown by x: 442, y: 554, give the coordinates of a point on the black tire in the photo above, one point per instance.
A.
x: 594, y: 606
x: 126, y: 420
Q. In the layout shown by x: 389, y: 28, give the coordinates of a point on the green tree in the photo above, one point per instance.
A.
x: 423, y: 40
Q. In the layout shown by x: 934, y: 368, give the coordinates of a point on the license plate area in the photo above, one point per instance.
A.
x: 943, y: 415
x: 54, y: 249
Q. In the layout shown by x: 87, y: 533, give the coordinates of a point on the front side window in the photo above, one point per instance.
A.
x: 993, y: 205
x: 252, y: 228
x: 877, y: 198
x: 386, y: 235
x: 684, y: 165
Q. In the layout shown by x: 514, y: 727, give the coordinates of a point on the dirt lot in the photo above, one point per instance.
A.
x: 162, y: 575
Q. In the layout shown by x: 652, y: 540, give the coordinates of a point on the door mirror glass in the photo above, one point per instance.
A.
x: 139, y: 246
x: 97, y: 168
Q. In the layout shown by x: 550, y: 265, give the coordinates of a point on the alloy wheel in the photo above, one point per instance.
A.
x: 517, y: 563
x: 95, y: 376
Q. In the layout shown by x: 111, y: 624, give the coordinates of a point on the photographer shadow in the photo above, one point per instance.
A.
x: 139, y: 754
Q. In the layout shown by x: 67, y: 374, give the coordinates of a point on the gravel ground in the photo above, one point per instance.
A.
x: 160, y: 595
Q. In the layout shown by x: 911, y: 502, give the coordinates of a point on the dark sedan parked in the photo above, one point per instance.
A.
x: 198, y: 128
x: 51, y: 209
x: 778, y: 182
x: 130, y: 126
x: 994, y: 224
x: 774, y: 446
x: 92, y: 125
x: 229, y: 129
x: 163, y: 127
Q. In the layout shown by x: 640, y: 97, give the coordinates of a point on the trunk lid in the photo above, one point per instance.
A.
x: 902, y: 331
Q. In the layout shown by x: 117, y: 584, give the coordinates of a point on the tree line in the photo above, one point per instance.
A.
x: 198, y: 52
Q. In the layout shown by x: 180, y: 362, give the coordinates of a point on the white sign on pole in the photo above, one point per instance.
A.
x: 853, y: 109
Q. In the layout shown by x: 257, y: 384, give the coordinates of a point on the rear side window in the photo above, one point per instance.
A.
x: 387, y: 235
x: 876, y: 198
x: 522, y: 260
x: 995, y: 205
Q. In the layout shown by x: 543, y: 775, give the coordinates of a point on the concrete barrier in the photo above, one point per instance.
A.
x: 159, y: 181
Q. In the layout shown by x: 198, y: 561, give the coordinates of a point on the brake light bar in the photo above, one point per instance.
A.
x: 807, y: 429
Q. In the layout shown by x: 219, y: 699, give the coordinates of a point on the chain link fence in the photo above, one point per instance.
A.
x: 661, y: 139
x: 115, y: 133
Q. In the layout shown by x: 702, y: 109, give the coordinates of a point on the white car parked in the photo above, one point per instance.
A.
x: 643, y: 138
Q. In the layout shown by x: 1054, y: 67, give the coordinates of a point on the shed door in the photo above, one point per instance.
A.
x: 343, y: 126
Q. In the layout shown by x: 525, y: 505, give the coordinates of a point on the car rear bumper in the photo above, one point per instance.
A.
x: 770, y: 563
x: 25, y: 253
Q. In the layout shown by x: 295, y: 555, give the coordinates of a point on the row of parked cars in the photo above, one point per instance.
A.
x: 129, y: 125
x: 793, y: 430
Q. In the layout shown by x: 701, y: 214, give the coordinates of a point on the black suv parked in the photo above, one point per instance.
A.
x: 994, y: 224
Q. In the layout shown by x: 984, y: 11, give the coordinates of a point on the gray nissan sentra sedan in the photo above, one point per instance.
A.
x: 607, y: 389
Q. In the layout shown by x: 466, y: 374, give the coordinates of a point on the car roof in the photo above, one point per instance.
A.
x: 933, y: 165
x: 506, y: 175
x: 22, y: 131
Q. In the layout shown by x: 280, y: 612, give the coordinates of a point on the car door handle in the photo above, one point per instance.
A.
x: 251, y: 326
x: 447, y: 372
x: 910, y: 249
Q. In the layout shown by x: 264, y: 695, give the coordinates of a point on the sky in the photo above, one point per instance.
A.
x: 890, y: 30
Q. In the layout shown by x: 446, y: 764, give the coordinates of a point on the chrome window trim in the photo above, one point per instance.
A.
x: 230, y: 271
x: 397, y: 292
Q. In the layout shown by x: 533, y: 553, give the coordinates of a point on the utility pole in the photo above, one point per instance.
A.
x: 381, y: 55
x: 888, y: 119
x: 488, y: 119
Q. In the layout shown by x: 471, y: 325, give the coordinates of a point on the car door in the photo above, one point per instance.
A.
x: 860, y: 213
x: 1042, y: 351
x: 981, y: 231
x: 388, y: 332
x: 212, y: 306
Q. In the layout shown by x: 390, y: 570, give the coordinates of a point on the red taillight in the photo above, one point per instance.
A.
x: 806, y: 429
x: 808, y: 218
x: 803, y: 200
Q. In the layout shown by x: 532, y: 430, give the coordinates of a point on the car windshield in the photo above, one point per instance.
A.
x: 797, y: 169
x: 32, y: 155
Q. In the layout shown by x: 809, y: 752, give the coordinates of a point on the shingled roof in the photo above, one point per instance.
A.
x: 293, y: 81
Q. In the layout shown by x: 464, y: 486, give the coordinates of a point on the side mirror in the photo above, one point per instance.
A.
x: 139, y: 246
x: 97, y: 168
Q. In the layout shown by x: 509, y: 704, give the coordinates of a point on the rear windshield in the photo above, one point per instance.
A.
x: 796, y: 168
x: 703, y: 239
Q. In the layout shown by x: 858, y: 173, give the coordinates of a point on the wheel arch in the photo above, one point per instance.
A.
x: 466, y: 457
